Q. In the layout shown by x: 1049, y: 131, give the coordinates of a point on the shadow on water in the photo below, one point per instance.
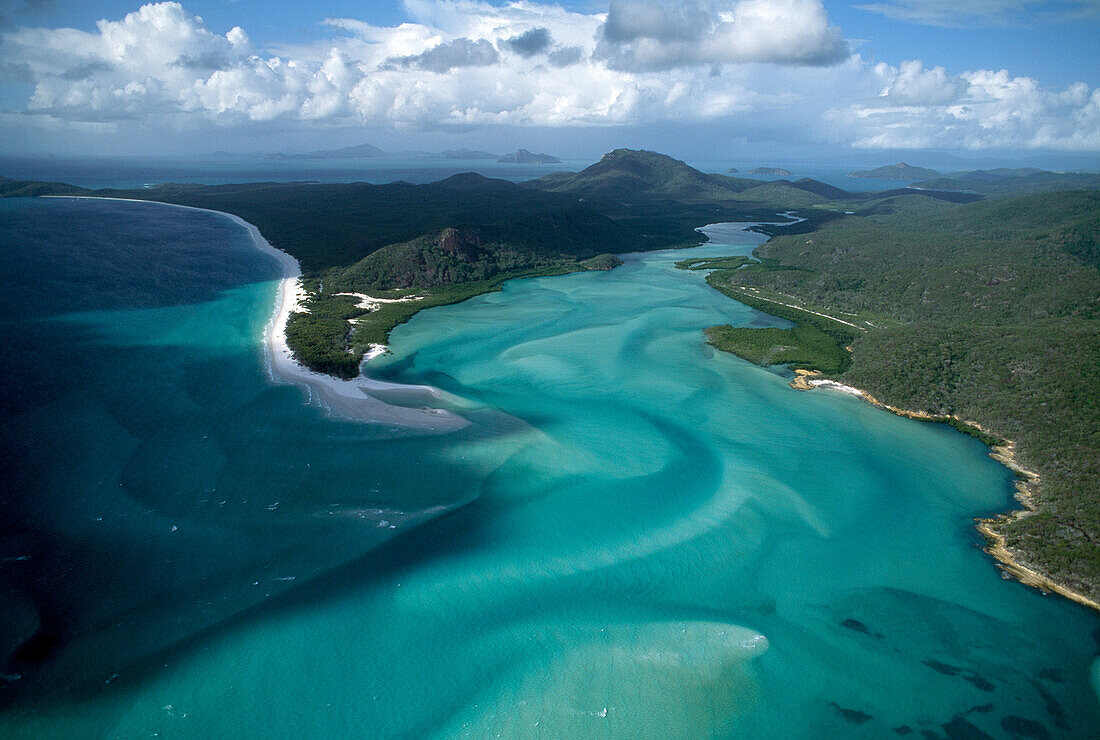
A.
x: 130, y: 524
x: 447, y: 535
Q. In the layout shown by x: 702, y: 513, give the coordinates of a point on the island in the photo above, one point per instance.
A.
x: 899, y: 171
x: 522, y: 156
x: 468, y: 155
x: 770, y: 171
x: 360, y: 151
x: 979, y: 310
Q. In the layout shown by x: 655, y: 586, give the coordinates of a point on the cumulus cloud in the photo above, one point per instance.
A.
x: 758, y: 68
x: 531, y: 42
x: 982, y: 109
x: 912, y: 84
x: 953, y: 13
x: 643, y: 34
x: 451, y: 55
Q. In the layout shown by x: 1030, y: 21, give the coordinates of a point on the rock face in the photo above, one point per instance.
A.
x: 522, y: 156
x: 462, y: 243
x: 770, y: 171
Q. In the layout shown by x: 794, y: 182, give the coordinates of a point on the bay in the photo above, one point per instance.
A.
x: 637, y: 537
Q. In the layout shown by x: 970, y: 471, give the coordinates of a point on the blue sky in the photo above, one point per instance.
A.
x: 704, y: 77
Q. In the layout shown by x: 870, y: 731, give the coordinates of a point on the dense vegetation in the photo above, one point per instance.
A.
x: 815, y: 342
x: 992, y: 314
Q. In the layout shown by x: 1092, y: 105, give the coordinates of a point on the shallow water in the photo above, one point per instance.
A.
x: 652, y: 540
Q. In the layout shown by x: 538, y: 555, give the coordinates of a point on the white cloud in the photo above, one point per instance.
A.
x: 982, y: 109
x: 754, y: 67
x: 912, y: 84
x: 643, y: 34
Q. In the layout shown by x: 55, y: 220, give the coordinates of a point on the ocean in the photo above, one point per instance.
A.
x: 636, y: 536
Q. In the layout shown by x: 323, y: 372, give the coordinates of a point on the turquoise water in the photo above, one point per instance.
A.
x: 637, y: 536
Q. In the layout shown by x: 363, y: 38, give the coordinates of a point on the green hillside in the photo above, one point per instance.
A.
x: 988, y: 311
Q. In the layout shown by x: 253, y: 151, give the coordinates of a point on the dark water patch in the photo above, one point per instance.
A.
x: 930, y: 735
x: 1023, y: 727
x: 854, y: 716
x: 944, y: 668
x: 959, y: 728
x: 903, y: 730
x: 980, y: 709
x: 979, y: 682
x: 1053, y: 706
x: 856, y: 626
x: 1054, y: 675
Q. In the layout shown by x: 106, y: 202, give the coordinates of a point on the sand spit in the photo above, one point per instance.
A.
x: 355, y: 399
x: 1027, y: 482
x: 370, y: 303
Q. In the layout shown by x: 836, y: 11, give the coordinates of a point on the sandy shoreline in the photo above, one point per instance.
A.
x: 1026, y: 482
x: 355, y: 399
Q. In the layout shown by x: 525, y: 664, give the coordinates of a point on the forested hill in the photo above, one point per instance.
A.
x: 333, y: 226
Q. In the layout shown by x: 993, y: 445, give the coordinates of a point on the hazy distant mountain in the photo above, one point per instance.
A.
x: 522, y: 156
x: 899, y: 171
x: 770, y: 171
x: 361, y: 151
x: 470, y: 154
x: 626, y: 174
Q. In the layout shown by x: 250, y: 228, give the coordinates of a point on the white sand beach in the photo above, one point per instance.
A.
x: 355, y: 399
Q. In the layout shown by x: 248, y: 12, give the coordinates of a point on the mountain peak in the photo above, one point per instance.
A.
x: 523, y: 156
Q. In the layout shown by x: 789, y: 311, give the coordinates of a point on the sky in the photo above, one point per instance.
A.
x: 699, y: 78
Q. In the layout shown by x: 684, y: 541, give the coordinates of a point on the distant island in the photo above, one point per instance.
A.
x: 732, y: 171
x: 468, y: 154
x: 770, y: 171
x: 522, y: 156
x: 899, y: 171
x: 369, y: 151
x: 349, y: 152
x: 902, y: 294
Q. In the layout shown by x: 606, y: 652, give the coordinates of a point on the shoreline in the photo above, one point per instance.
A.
x: 1024, y: 492
x: 355, y: 399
